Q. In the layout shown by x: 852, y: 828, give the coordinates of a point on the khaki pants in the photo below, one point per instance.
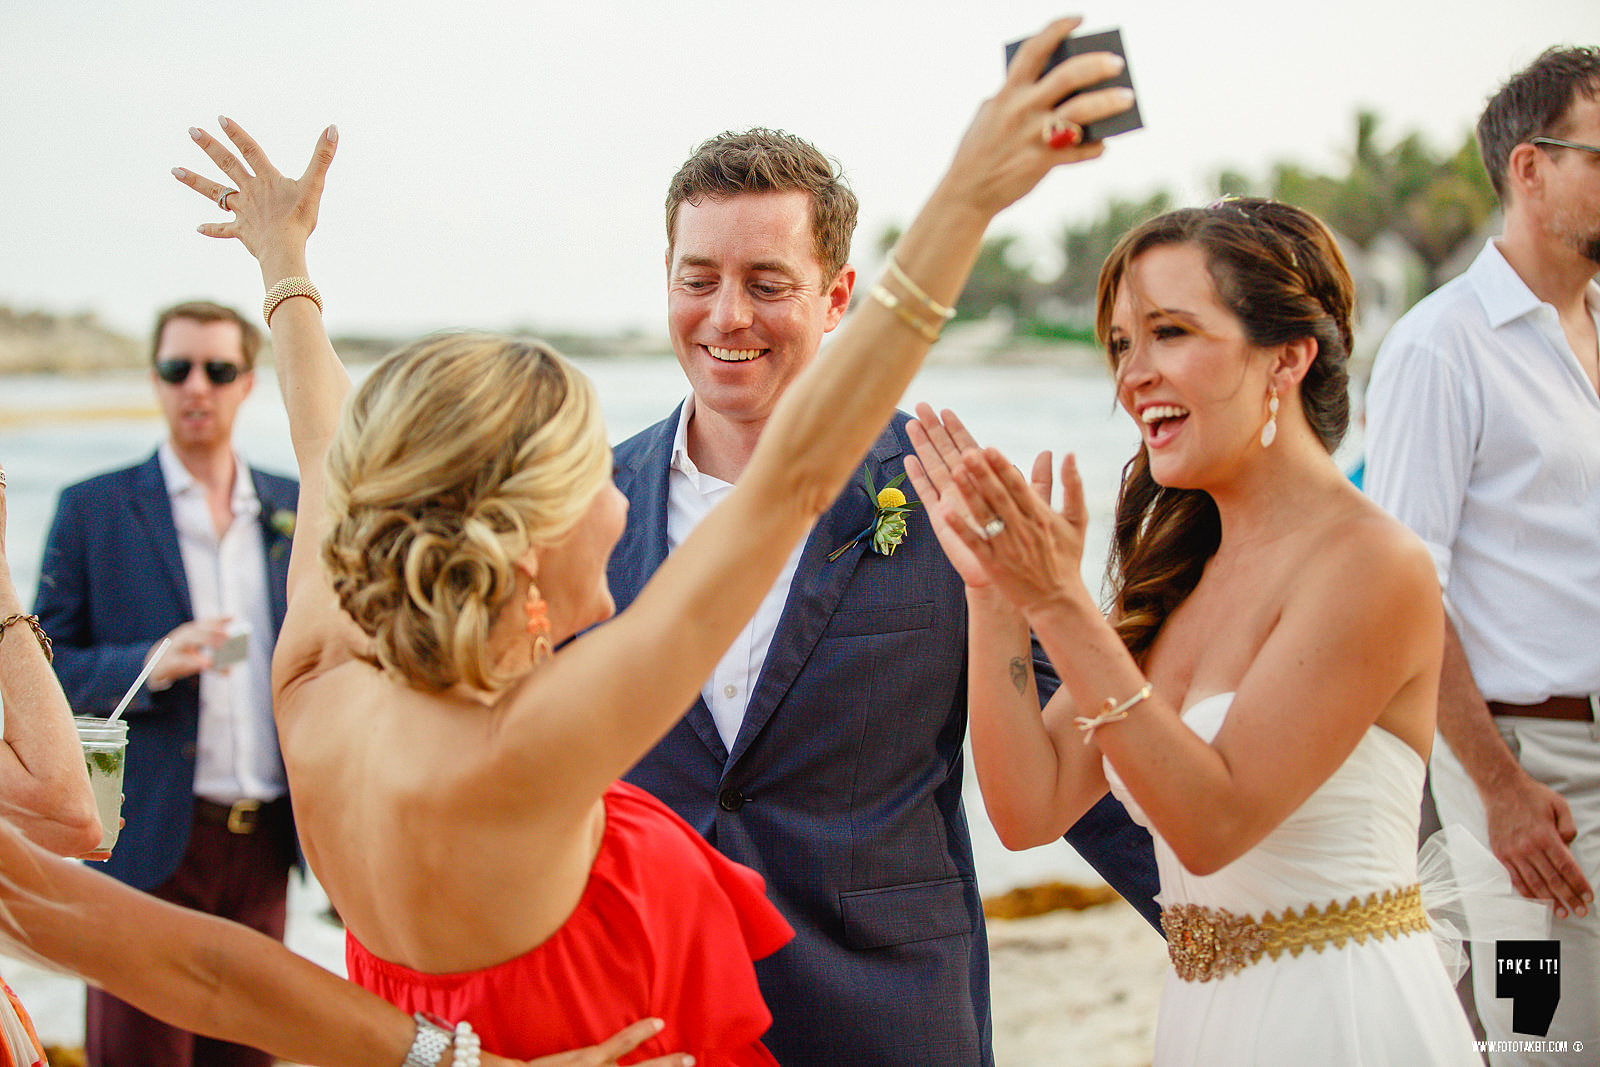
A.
x: 1566, y: 757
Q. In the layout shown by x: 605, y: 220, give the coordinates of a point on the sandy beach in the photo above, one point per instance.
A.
x: 1070, y: 988
x: 1075, y: 988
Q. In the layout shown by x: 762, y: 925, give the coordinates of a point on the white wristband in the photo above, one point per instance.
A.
x: 431, y: 1042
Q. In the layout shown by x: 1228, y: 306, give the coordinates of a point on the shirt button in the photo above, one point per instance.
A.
x: 730, y: 690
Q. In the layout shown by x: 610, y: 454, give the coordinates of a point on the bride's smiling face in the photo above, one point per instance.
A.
x: 1185, y: 369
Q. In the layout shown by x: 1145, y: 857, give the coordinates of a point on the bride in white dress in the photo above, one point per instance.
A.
x: 1296, y: 628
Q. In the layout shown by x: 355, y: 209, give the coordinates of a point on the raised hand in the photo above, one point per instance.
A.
x: 274, y: 214
x: 1011, y: 144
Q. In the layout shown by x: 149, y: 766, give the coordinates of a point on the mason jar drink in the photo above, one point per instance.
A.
x: 104, y: 745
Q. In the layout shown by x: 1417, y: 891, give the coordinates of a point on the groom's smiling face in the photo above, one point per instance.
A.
x: 747, y: 302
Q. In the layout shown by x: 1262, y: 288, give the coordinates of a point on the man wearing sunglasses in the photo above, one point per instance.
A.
x: 1484, y: 437
x: 191, y: 545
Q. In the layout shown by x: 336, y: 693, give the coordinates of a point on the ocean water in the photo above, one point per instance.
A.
x: 55, y: 431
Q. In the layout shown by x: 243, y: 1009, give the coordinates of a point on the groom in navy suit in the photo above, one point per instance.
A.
x: 826, y: 749
x: 191, y: 545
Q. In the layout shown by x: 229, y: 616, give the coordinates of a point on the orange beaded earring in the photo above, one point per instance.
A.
x: 538, y: 623
x: 538, y: 618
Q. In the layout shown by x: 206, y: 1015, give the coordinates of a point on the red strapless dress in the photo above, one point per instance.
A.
x: 666, y: 927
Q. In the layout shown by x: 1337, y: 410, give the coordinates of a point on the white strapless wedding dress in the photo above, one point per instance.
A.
x: 1386, y: 1001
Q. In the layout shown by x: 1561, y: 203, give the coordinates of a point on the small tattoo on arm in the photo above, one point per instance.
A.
x: 1019, y: 673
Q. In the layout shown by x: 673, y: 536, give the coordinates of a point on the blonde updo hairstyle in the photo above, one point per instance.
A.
x: 458, y: 453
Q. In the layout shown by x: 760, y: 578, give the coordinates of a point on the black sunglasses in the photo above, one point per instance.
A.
x: 176, y: 371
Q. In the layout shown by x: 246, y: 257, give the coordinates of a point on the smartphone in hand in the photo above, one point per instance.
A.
x: 233, y: 649
x: 1105, y: 41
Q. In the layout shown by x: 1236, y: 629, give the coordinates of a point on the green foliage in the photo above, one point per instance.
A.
x: 996, y: 281
x: 1085, y: 248
x: 1050, y: 330
x: 1433, y: 201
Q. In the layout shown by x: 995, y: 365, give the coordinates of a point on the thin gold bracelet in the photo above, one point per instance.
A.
x: 890, y: 301
x: 1113, y: 712
x: 945, y: 313
x: 38, y: 631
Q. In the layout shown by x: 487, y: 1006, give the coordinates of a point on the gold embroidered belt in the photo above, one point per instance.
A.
x: 1206, y: 943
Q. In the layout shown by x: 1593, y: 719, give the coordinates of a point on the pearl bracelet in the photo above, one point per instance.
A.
x: 466, y: 1047
x: 435, y: 1037
x: 430, y: 1043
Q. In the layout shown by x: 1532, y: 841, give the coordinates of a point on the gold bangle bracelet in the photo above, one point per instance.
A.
x: 283, y: 290
x: 944, y: 312
x: 888, y: 300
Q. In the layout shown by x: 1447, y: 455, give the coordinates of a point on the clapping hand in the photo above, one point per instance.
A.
x: 939, y: 443
x: 995, y: 525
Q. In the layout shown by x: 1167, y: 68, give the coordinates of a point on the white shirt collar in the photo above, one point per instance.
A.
x: 1505, y: 296
x: 180, y: 481
x: 680, y: 439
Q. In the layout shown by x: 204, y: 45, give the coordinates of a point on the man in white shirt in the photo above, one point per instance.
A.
x: 190, y: 545
x: 1484, y: 438
x: 826, y: 748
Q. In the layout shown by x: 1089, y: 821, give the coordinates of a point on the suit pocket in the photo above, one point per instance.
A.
x: 901, y: 914
x: 880, y: 620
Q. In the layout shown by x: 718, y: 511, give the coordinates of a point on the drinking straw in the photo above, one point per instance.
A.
x: 161, y: 650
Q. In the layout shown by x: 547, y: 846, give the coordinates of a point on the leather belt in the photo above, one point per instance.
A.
x: 1576, y: 709
x: 240, y: 817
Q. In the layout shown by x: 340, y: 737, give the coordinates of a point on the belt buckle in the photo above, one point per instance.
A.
x: 243, y: 816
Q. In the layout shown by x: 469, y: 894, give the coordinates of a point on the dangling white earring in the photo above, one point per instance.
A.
x: 1269, y: 432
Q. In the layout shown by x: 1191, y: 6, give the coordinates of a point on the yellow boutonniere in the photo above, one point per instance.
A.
x: 281, y: 522
x: 888, y: 527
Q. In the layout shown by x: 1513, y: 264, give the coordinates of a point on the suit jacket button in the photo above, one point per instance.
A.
x: 188, y: 750
x: 730, y: 800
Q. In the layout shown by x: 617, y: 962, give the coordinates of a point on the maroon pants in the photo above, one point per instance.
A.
x: 243, y: 877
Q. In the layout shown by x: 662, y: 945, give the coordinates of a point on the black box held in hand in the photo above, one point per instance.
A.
x: 1105, y: 41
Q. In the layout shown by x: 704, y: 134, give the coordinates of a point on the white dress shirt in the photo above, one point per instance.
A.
x: 691, y: 494
x: 1483, y: 436
x: 237, y: 752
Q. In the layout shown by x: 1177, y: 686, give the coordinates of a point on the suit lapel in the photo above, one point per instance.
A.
x: 815, y: 592
x: 643, y: 480
x: 275, y: 543
x: 153, y: 507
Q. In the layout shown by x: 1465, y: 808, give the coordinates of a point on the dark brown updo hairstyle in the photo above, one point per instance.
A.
x: 1279, y: 270
x: 458, y: 453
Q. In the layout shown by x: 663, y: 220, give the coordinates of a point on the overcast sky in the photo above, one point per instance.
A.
x: 502, y: 163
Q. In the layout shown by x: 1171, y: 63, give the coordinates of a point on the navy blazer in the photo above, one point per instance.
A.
x: 843, y: 787
x: 111, y: 585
